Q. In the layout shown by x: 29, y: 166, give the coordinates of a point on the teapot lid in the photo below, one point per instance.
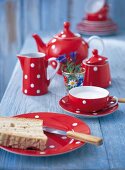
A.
x: 66, y: 33
x: 96, y: 59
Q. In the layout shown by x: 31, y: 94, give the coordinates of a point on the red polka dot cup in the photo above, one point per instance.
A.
x: 90, y: 98
x: 96, y: 10
x: 34, y: 66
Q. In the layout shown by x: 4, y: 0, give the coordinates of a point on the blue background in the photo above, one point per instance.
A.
x: 19, y: 18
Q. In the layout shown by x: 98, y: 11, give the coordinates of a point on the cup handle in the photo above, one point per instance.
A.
x: 99, y: 39
x: 57, y: 67
x: 120, y: 100
x: 113, y: 101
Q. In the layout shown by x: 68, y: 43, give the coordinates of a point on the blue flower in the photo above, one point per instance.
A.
x: 73, y: 56
x: 80, y: 82
x: 62, y: 58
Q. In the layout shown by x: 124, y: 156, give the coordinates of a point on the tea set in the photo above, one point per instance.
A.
x: 88, y: 100
x: 97, y: 20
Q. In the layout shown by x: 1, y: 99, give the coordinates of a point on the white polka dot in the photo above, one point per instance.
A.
x: 110, y: 82
x: 38, y: 91
x: 78, y: 142
x: 84, y: 102
x: 74, y: 124
x: 77, y: 111
x: 32, y: 85
x: 25, y: 76
x: 99, y: 59
x: 83, y: 42
x: 88, y: 61
x: 37, y: 116
x: 53, y: 46
x: 42, y: 153
x: 32, y: 65
x: 51, y: 146
x: 100, y: 16
x: 38, y: 76
x: 63, y: 101
x: 94, y: 113
x: 95, y: 68
x: 107, y: 99
x: 54, y: 40
x: 25, y: 91
x: 64, y: 137
x: 63, y: 36
x: 53, y: 63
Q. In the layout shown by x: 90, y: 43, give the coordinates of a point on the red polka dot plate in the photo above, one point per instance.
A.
x: 56, y: 144
x: 65, y: 104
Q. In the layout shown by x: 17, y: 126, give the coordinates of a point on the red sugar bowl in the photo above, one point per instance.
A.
x: 97, y: 71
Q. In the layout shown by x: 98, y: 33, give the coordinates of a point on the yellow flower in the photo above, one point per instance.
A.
x: 72, y: 83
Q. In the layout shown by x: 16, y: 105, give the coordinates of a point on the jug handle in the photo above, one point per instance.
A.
x: 100, y: 40
x: 55, y: 71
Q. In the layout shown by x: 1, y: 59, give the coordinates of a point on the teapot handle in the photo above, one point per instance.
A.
x: 100, y: 40
x: 57, y: 68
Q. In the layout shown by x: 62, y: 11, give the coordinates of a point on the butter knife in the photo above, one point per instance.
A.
x: 76, y: 135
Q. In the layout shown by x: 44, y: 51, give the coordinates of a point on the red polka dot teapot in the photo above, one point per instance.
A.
x: 97, y: 71
x: 64, y: 43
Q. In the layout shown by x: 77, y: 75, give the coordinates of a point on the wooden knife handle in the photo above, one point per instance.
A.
x: 85, y: 138
x: 120, y: 100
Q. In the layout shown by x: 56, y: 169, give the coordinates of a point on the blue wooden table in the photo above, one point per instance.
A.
x: 112, y: 128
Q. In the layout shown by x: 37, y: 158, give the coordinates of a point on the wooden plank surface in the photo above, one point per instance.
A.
x: 18, y: 18
x: 111, y: 128
x: 30, y: 17
x: 19, y: 103
x: 53, y: 14
x: 10, y: 39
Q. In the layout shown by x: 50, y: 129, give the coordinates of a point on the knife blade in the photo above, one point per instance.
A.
x: 76, y: 135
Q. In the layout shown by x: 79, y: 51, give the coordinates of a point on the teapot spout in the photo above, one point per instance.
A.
x: 22, y: 60
x: 41, y: 46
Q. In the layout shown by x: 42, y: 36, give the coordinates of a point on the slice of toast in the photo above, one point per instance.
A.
x: 23, y: 133
x: 19, y: 122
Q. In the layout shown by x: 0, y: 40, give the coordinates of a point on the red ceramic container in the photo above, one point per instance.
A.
x: 89, y: 98
x: 64, y: 43
x: 97, y: 10
x: 97, y: 71
x: 34, y: 66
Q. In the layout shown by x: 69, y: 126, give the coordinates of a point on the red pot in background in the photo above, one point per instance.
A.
x: 97, y: 10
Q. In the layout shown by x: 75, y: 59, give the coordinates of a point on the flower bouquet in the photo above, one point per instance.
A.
x: 72, y: 72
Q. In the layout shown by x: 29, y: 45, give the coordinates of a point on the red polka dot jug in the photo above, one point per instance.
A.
x: 34, y: 66
x: 97, y: 71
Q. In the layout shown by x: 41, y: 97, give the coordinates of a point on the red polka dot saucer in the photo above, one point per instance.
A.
x: 66, y: 105
x: 56, y: 144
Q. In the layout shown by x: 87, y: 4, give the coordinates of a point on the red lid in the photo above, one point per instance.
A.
x: 66, y: 33
x: 96, y: 59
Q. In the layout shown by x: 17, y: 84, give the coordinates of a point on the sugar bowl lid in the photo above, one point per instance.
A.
x: 96, y: 59
x: 66, y: 33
